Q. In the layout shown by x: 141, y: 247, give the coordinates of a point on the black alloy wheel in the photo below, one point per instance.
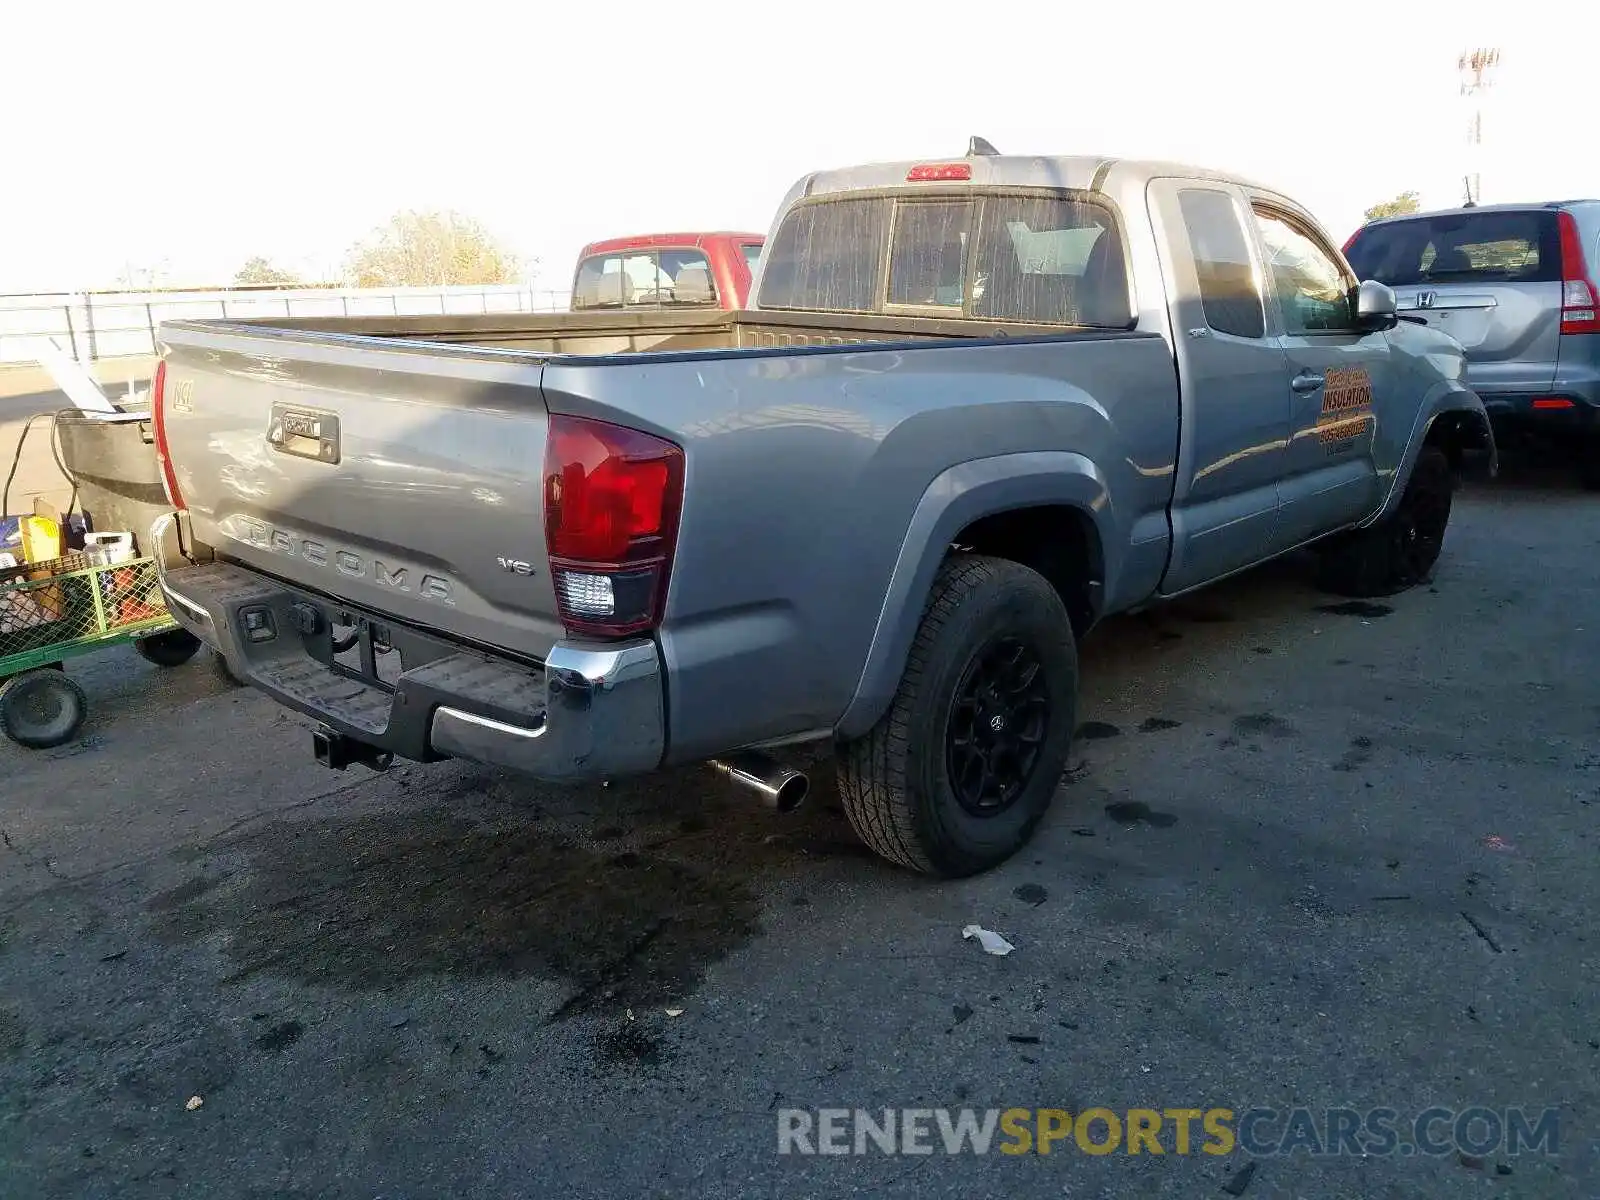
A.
x: 997, y: 724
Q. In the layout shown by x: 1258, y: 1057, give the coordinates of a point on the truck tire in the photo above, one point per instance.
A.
x: 41, y: 709
x: 1400, y: 551
x: 957, y: 774
x: 172, y: 648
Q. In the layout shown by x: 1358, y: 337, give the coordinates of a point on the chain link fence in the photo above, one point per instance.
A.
x: 92, y: 326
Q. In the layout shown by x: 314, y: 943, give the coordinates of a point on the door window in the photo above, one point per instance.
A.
x: 1229, y: 293
x: 1313, y: 291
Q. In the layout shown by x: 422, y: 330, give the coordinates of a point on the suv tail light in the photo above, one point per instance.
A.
x: 1578, y: 301
x: 158, y: 422
x: 612, y: 499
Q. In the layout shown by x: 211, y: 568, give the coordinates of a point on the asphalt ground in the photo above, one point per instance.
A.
x: 1309, y: 855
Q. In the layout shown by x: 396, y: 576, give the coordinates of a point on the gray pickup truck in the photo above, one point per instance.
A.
x: 976, y: 406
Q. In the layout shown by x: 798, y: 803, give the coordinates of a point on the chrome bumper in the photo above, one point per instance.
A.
x: 593, y: 711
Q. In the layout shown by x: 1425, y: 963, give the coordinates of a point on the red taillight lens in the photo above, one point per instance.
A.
x: 158, y: 422
x: 939, y: 172
x: 1549, y: 402
x: 1579, y: 311
x: 612, y: 498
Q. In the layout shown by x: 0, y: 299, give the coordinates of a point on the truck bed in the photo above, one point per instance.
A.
x: 634, y: 332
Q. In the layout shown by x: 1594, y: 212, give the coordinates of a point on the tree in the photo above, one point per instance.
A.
x: 1402, y: 205
x: 138, y: 277
x: 258, y: 272
x: 427, y: 249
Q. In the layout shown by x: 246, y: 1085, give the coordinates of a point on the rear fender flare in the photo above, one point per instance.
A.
x: 1445, y: 398
x: 957, y: 497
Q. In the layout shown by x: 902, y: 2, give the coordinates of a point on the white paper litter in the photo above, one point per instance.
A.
x: 674, y: 1012
x: 991, y: 942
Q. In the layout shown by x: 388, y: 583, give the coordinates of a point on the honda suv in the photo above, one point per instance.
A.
x: 1515, y: 285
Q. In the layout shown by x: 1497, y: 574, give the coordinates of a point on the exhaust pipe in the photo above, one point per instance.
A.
x: 779, y: 787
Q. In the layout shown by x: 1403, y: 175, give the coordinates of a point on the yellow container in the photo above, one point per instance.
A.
x: 41, y: 539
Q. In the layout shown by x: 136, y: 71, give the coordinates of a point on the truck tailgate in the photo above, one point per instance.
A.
x: 400, y: 477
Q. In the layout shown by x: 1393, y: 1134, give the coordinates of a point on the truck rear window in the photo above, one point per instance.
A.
x: 1047, y: 259
x: 1464, y: 247
x: 655, y: 278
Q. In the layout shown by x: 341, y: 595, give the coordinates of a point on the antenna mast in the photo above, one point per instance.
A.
x: 1477, y: 68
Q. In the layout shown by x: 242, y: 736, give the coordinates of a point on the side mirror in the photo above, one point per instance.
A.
x: 1376, y: 305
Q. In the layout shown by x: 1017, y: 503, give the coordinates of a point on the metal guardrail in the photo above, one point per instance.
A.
x: 91, y: 326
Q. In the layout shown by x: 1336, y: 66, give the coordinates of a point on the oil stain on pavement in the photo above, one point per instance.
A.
x: 365, y: 902
x: 1137, y: 812
x: 1356, y: 608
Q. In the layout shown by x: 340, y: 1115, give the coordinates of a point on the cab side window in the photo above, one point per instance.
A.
x: 1229, y: 294
x: 1313, y: 291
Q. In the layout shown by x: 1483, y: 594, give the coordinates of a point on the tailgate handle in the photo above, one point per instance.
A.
x: 304, y: 433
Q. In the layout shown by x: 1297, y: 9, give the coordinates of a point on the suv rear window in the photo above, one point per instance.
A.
x: 1045, y: 258
x: 1460, y: 247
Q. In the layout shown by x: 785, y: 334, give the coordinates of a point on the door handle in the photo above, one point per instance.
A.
x: 1307, y: 381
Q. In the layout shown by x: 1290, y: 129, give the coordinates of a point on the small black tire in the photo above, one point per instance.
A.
x: 21, y: 698
x: 171, y: 648
x: 1589, y: 467
x: 895, y: 781
x: 1400, y: 551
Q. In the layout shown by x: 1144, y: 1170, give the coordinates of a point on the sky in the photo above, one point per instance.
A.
x: 189, y: 137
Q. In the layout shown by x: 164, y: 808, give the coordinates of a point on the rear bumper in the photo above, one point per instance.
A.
x: 1555, y: 412
x: 593, y: 711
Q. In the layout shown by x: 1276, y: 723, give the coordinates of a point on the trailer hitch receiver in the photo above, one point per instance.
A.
x: 333, y: 750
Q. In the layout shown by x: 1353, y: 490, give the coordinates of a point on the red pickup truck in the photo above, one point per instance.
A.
x: 667, y: 270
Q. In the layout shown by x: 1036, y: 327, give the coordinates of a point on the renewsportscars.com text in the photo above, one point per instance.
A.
x: 1259, y: 1132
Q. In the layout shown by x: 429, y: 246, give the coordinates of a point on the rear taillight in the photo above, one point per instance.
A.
x: 1579, y: 311
x: 612, y: 498
x: 158, y: 421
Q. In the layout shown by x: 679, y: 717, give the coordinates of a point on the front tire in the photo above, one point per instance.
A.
x: 955, y: 777
x: 1400, y: 551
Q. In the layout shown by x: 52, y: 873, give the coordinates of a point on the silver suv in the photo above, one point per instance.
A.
x: 1515, y: 285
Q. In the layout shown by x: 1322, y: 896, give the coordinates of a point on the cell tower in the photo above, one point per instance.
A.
x: 1477, y: 69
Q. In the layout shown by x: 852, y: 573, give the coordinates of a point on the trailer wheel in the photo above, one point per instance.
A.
x: 956, y: 776
x: 170, y: 649
x: 43, y: 708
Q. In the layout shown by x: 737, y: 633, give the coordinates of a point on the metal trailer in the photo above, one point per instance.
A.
x: 63, y: 608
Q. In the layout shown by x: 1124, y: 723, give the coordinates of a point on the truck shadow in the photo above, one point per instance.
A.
x: 1218, y: 619
x: 623, y: 896
x: 1526, y: 470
